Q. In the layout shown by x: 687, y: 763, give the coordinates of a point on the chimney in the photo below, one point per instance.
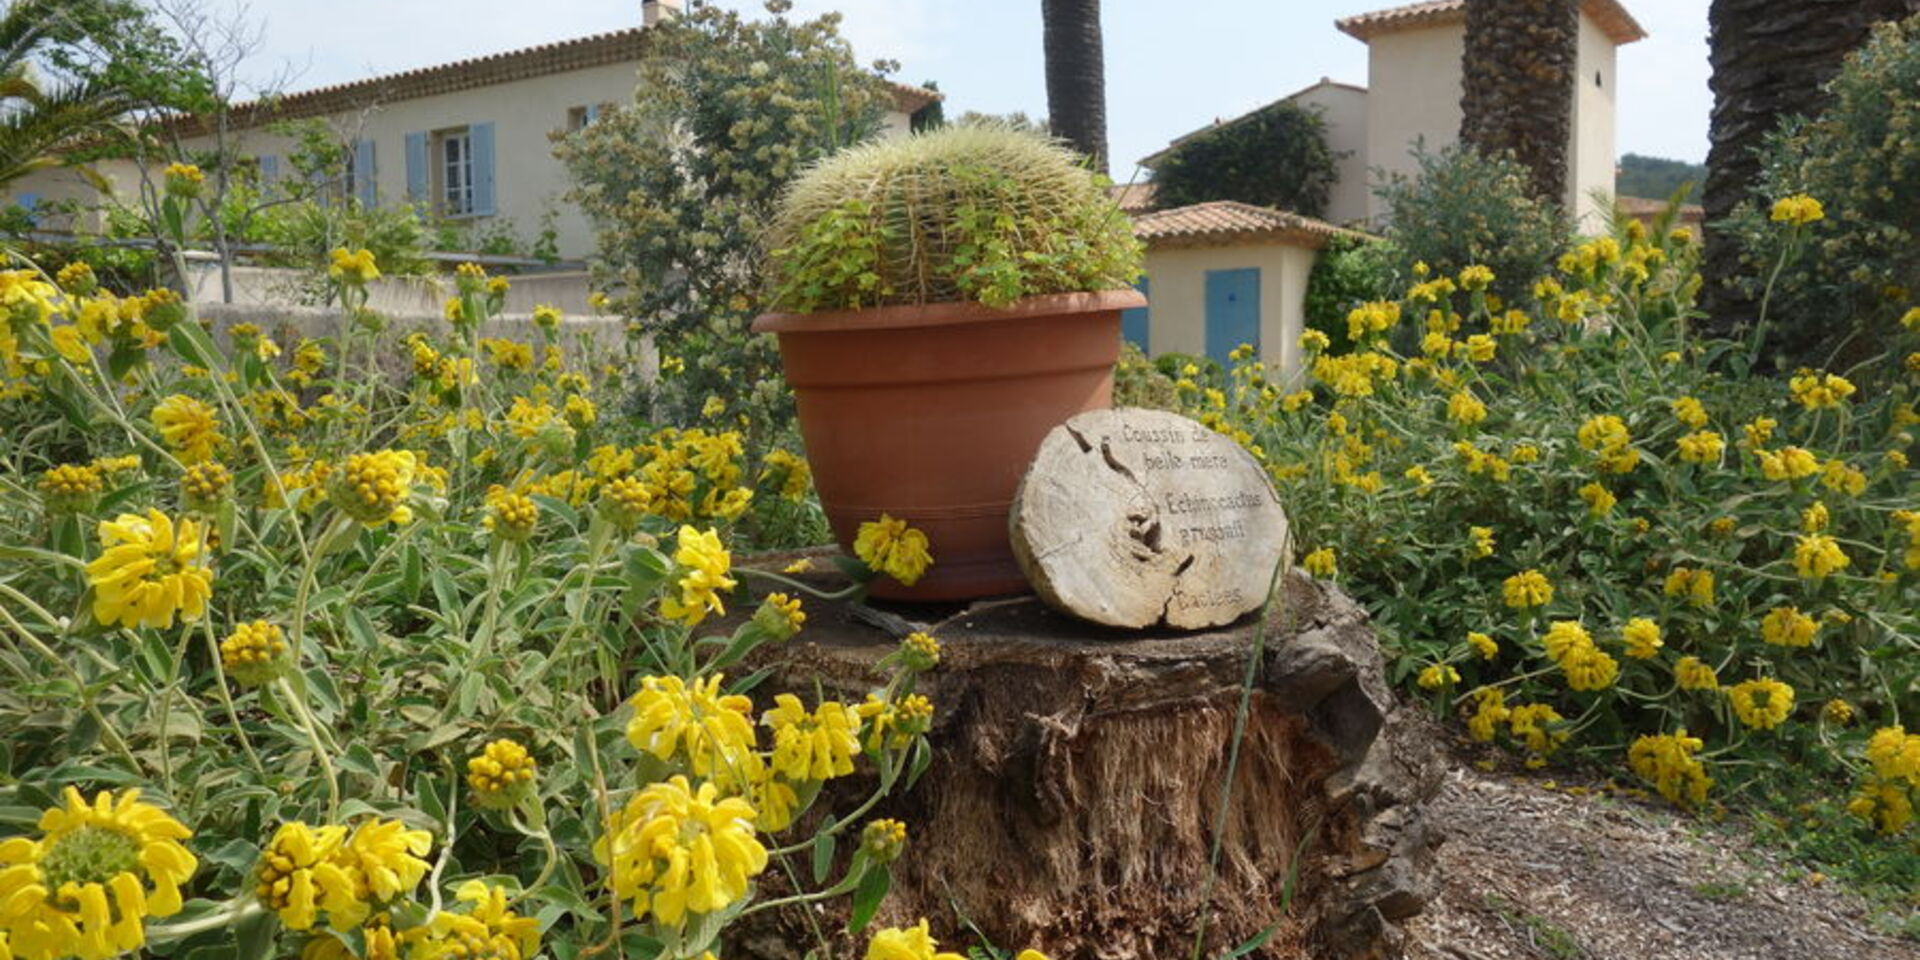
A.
x: 654, y: 11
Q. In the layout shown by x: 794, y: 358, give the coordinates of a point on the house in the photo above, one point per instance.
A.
x: 467, y: 141
x: 1222, y: 274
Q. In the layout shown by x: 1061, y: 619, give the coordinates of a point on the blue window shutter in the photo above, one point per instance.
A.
x: 1133, y: 322
x: 27, y: 201
x: 480, y: 138
x: 1233, y: 312
x: 593, y: 113
x: 365, y: 182
x: 417, y: 168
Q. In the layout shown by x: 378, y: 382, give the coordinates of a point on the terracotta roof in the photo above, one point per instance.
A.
x: 1648, y: 209
x: 1221, y: 223
x: 601, y: 49
x: 1611, y: 16
x: 1150, y: 159
x: 1134, y: 198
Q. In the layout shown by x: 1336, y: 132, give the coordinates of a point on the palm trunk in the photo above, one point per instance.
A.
x: 1517, y: 82
x: 1770, y: 61
x: 1076, y: 76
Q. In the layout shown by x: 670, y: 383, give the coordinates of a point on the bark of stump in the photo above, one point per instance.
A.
x: 1076, y: 780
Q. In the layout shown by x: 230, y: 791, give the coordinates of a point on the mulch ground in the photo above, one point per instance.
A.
x: 1534, y: 869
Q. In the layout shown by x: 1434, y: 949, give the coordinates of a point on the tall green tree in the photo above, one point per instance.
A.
x: 1770, y: 62
x: 1276, y: 156
x: 1076, y: 76
x: 1517, y: 85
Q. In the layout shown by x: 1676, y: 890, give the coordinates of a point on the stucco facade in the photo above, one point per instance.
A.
x: 470, y: 143
x: 1413, y: 99
x: 1591, y: 159
x: 1344, y: 107
x: 1177, y: 298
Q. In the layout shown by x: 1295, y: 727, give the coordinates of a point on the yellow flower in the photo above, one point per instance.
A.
x: 502, y: 775
x: 1476, y: 277
x: 815, y: 746
x: 1816, y: 555
x: 1760, y: 431
x: 1788, y: 627
x: 790, y: 472
x: 204, y: 484
x: 1481, y: 348
x: 183, y: 180
x: 1370, y: 318
x: 1599, y: 500
x: 1761, y: 704
x: 1483, y: 645
x: 300, y: 871
x: 1695, y: 585
x: 487, y: 927
x: 779, y: 616
x: 1895, y: 754
x: 353, y: 267
x: 676, y: 850
x: 1702, y: 447
x: 1885, y: 805
x: 1837, y: 712
x: 1465, y: 409
x: 705, y: 564
x: 1814, y: 518
x: 891, y: 547
x: 1528, y: 588
x: 906, y: 943
x: 892, y: 724
x: 696, y: 725
x: 547, y: 318
x: 1642, y: 637
x: 1321, y: 563
x: 1837, y: 475
x: 1313, y: 341
x: 1693, y: 674
x: 1601, y: 432
x: 1538, y: 725
x: 1667, y: 761
x: 85, y: 886
x: 72, y: 488
x: 1689, y: 411
x: 256, y: 653
x: 919, y: 652
x: 511, y: 516
x: 1797, y: 210
x: 1490, y: 710
x: 149, y: 570
x: 1438, y: 675
x: 373, y: 487
x: 190, y: 428
x: 884, y: 840
x: 1818, y: 391
x: 1791, y: 463
x: 1563, y: 637
x: 1482, y: 542
x: 1589, y: 668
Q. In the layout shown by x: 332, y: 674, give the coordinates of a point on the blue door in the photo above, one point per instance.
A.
x: 1233, y: 311
x: 1133, y: 323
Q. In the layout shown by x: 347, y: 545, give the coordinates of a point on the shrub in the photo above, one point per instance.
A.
x: 1579, y: 535
x: 1276, y: 156
x: 1853, y: 274
x: 1349, y: 271
x: 969, y: 212
x: 1462, y: 209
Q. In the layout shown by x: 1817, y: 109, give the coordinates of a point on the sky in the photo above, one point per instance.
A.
x: 1171, y: 67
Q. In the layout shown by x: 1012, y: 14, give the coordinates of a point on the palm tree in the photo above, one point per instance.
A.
x: 41, y: 118
x: 1517, y: 76
x: 1076, y: 76
x: 1770, y: 60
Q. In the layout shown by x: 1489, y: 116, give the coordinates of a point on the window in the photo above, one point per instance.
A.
x: 453, y: 167
x: 576, y: 119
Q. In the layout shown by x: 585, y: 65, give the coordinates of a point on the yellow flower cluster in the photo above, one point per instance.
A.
x: 1539, y: 727
x: 1790, y: 463
x: 1368, y: 319
x: 205, y: 483
x: 1695, y: 585
x: 892, y: 547
x: 1820, y: 391
x: 812, y: 747
x: 1438, y: 675
x: 1479, y: 542
x: 1886, y: 797
x: 373, y: 487
x: 1702, y: 447
x: 346, y: 873
x: 149, y: 571
x: 704, y: 564
x: 1690, y: 411
x: 1797, y: 210
x: 1690, y: 673
x: 1667, y: 761
x: 71, y: 488
x: 1526, y: 590
x: 1465, y: 409
x: 779, y: 616
x: 485, y: 928
x: 696, y: 726
x: 1355, y: 374
x: 502, y: 775
x: 1817, y: 556
x: 1910, y: 519
x: 1600, y: 500
x: 189, y: 427
x: 1483, y: 645
x: 1321, y: 563
x: 788, y: 473
x: 1607, y: 437
x: 676, y: 850
x: 1642, y: 638
x: 255, y: 653
x: 354, y: 267
x: 511, y: 516
x: 1571, y: 648
x: 892, y: 724
x: 1761, y: 704
x: 1788, y: 627
x: 86, y: 885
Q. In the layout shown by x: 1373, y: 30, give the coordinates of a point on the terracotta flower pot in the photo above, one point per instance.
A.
x: 932, y: 414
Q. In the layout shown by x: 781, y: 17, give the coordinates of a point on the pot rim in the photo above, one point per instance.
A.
x: 942, y: 314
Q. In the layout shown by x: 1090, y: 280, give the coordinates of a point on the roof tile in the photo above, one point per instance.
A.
x: 1229, y: 222
x: 1611, y: 15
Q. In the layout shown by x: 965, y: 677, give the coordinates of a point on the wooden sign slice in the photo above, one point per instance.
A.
x: 1132, y: 518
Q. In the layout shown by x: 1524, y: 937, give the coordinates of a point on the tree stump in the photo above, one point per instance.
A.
x: 1077, y: 778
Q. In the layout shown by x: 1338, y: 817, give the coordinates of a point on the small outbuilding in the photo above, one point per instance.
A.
x: 1226, y: 273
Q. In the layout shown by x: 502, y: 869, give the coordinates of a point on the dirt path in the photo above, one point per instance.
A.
x: 1531, y: 872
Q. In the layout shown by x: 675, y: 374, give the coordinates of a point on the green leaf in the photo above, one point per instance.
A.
x: 192, y: 344
x: 867, y: 896
x: 823, y: 848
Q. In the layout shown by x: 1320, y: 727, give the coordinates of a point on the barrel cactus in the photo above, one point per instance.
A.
x: 976, y: 212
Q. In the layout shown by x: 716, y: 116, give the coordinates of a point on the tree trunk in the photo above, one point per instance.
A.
x: 1076, y: 76
x: 1074, y: 799
x: 1770, y: 60
x: 1517, y: 83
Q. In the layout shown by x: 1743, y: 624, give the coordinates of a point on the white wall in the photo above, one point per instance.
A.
x: 528, y: 179
x: 1413, y: 92
x: 1345, y: 110
x: 1177, y: 294
x: 1591, y: 156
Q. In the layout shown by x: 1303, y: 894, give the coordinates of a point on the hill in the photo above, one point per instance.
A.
x: 1656, y: 179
